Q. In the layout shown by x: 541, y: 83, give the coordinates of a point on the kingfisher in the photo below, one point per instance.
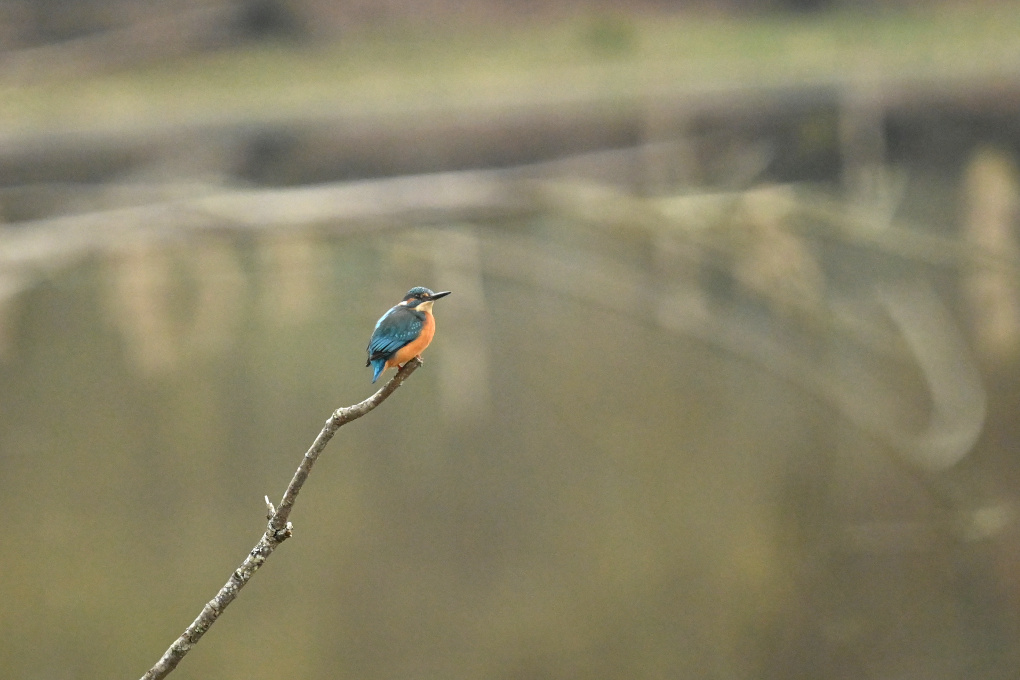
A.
x: 403, y: 332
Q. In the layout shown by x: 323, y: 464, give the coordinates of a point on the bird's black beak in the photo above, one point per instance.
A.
x: 436, y: 296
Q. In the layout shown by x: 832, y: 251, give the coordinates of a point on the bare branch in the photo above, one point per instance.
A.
x: 277, y: 531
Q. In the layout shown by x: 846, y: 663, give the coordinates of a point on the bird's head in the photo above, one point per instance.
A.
x: 421, y: 298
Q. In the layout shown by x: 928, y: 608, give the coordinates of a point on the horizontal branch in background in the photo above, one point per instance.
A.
x: 32, y: 248
x: 278, y: 529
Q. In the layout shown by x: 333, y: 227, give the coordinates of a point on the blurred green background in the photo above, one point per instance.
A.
x: 727, y: 386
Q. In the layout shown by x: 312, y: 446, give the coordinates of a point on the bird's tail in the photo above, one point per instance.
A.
x: 378, y: 366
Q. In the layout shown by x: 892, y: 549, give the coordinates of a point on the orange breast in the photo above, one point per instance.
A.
x: 416, y: 346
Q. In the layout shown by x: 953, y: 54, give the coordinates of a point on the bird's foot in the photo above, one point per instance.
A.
x: 421, y: 362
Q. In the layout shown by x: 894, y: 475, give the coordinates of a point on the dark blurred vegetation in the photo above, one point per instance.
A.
x: 224, y: 22
x: 726, y: 389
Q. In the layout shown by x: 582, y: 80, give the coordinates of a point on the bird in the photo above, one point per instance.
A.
x: 404, y: 331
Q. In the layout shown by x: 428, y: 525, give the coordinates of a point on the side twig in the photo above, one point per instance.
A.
x: 278, y: 530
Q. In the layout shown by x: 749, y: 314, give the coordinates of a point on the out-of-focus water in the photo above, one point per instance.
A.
x: 613, y: 464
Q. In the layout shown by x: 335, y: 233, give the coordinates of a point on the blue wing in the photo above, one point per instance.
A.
x: 395, y: 329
